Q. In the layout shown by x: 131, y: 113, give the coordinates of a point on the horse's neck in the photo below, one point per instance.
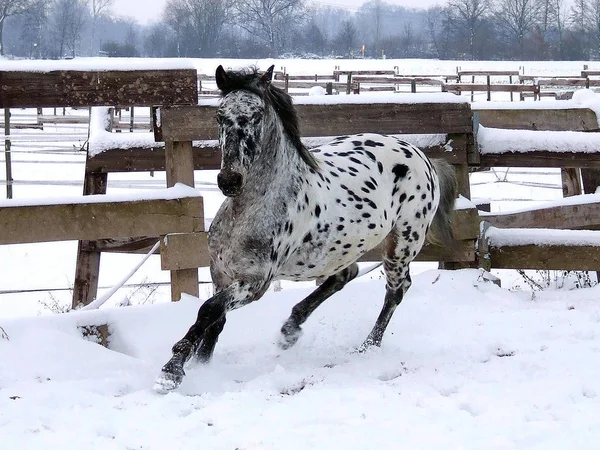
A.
x: 279, y: 163
x: 276, y: 176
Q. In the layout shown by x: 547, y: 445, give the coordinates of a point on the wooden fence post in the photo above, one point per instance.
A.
x: 7, y: 154
x: 87, y: 267
x: 179, y: 164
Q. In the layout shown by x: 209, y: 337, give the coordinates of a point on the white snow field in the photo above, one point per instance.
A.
x: 464, y: 364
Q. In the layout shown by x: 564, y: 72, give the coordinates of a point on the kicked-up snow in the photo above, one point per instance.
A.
x: 464, y: 365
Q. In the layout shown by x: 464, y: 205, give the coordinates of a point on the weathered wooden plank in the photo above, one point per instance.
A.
x: 464, y: 251
x: 472, y: 87
x: 493, y: 73
x: 184, y: 251
x: 143, y: 159
x: 94, y: 88
x: 567, y: 217
x: 188, y: 123
x: 179, y: 163
x: 571, y: 119
x: 184, y: 281
x: 415, y: 118
x: 571, y: 181
x: 547, y: 257
x: 90, y: 221
x: 541, y: 159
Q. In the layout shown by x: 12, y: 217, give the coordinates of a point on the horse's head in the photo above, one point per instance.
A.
x: 240, y: 115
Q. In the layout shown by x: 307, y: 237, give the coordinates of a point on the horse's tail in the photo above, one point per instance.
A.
x: 441, y: 226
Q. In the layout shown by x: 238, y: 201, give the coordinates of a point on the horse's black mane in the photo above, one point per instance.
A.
x: 251, y: 80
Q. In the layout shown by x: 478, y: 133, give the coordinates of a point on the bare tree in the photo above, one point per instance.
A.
x: 98, y: 8
x: 68, y: 20
x: 198, y: 24
x: 518, y: 18
x: 345, y: 40
x: 439, y: 26
x: 594, y: 26
x: 470, y: 14
x: 270, y: 20
x: 12, y: 8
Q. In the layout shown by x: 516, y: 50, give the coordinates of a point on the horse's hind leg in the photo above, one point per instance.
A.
x: 291, y: 330
x: 209, y: 341
x: 395, y: 264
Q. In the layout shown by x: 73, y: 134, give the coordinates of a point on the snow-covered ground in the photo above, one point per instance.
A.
x: 464, y: 365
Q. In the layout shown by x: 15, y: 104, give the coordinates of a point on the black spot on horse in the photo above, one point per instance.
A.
x: 372, y: 226
x: 371, y: 143
x: 399, y: 171
x: 370, y: 185
x: 347, y: 245
x: 307, y: 238
x: 380, y: 167
x: 402, y: 197
x: 340, y: 227
x: 407, y: 153
x: 357, y: 143
x: 317, y: 211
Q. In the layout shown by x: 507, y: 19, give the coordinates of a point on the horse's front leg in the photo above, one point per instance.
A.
x: 211, y: 312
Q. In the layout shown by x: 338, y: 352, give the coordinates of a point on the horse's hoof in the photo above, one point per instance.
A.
x: 288, y: 337
x: 170, y: 378
x: 167, y: 382
x: 367, y: 345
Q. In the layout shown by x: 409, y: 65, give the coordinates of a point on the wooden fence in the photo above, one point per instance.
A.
x: 100, y: 217
x: 495, y: 81
x: 188, y: 133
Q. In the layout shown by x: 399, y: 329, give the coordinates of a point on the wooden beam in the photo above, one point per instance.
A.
x: 184, y: 251
x: 63, y: 88
x: 90, y: 221
x: 541, y: 159
x: 472, y: 87
x: 571, y: 119
x: 145, y: 159
x: 189, y: 123
x: 547, y: 257
x: 464, y: 251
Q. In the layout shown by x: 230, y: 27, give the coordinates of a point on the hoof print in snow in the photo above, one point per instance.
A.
x: 504, y: 354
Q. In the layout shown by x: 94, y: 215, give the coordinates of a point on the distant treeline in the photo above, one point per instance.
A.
x: 461, y: 29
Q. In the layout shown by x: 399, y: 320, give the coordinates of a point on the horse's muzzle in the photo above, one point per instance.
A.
x: 230, y: 182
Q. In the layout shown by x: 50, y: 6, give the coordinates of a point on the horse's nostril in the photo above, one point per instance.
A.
x: 229, y: 182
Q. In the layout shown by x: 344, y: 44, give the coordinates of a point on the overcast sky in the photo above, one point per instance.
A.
x: 146, y: 11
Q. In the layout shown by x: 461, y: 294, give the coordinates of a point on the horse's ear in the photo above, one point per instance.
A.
x: 222, y: 77
x: 268, y: 75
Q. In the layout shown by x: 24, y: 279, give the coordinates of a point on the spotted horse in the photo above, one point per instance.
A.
x: 298, y: 214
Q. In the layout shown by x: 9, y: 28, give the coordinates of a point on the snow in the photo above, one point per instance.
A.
x: 498, y: 141
x: 498, y: 237
x: 464, y: 364
x: 516, y: 373
x: 97, y: 64
x: 175, y: 192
